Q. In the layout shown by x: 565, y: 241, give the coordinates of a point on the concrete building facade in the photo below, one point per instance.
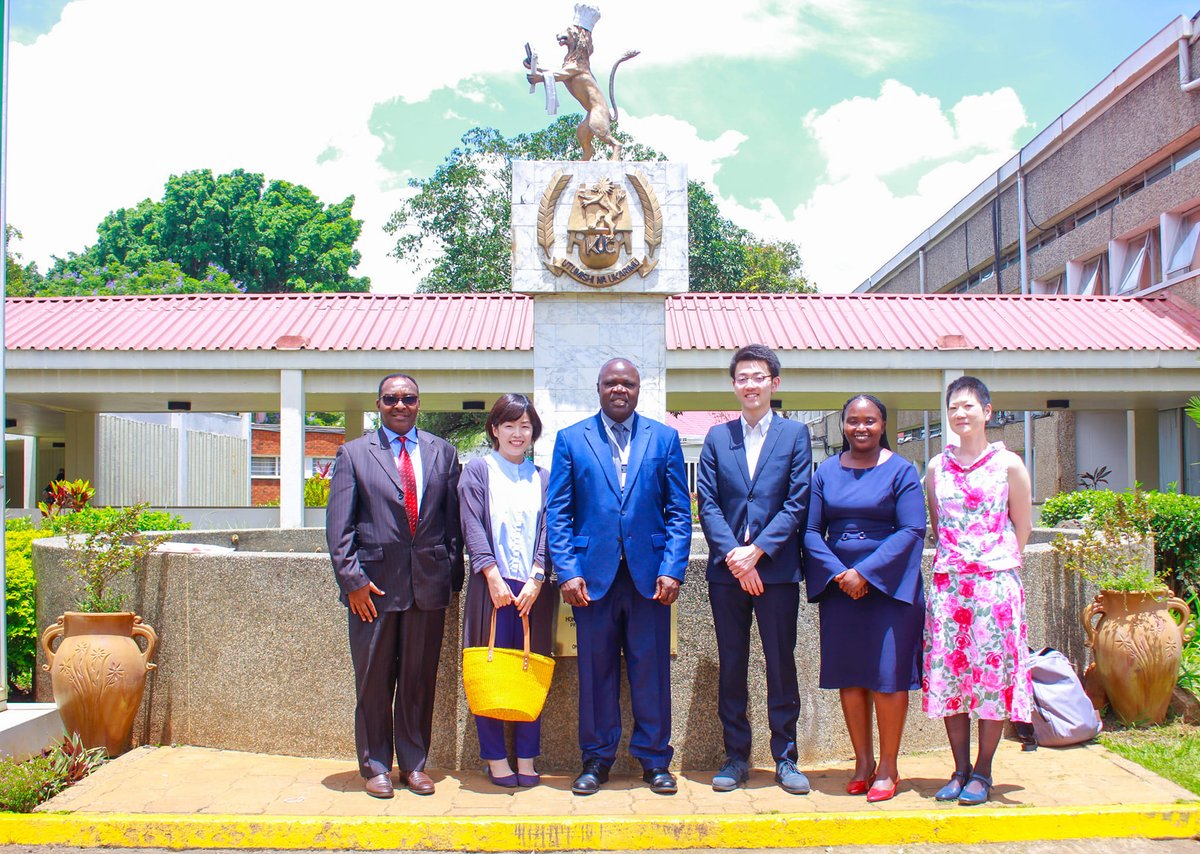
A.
x: 1103, y: 202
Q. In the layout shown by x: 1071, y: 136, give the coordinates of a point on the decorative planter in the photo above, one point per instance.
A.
x: 98, y: 674
x: 1137, y: 647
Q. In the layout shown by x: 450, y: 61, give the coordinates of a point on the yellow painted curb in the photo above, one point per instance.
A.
x: 601, y: 833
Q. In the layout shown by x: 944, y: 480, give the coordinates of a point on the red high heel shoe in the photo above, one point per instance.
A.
x: 874, y: 796
x: 859, y: 787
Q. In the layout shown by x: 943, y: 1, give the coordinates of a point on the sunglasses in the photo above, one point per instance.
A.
x: 392, y: 400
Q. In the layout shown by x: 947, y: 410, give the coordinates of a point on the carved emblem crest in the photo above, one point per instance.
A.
x: 600, y: 230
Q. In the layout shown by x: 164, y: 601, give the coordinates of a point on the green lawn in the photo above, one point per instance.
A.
x: 1171, y: 750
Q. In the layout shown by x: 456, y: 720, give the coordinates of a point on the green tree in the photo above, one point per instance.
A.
x: 461, y: 216
x: 21, y: 280
x: 223, y: 231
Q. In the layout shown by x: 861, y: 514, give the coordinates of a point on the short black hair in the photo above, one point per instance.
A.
x: 397, y: 376
x: 755, y: 353
x: 972, y: 384
x: 870, y: 398
x: 510, y: 407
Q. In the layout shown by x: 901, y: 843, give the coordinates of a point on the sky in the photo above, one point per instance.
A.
x: 846, y: 126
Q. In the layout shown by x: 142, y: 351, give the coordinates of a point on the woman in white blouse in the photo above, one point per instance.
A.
x: 502, y: 500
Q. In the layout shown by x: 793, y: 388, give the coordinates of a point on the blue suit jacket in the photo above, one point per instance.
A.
x: 774, y: 503
x: 589, y: 522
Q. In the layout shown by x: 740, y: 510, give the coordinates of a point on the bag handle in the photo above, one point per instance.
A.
x: 492, y: 638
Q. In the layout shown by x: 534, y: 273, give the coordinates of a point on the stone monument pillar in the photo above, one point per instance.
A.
x: 599, y: 245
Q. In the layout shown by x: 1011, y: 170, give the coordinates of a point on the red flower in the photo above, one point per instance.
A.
x: 967, y: 588
x: 953, y: 704
x: 961, y: 641
x: 957, y: 662
x: 1003, y: 613
x: 994, y: 660
x: 964, y: 617
x: 972, y: 498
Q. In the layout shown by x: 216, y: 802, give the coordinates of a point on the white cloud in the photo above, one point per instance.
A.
x: 122, y: 93
x: 853, y: 223
x: 681, y: 142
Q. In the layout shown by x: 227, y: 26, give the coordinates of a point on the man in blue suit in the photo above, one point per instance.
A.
x: 752, y: 492
x: 618, y: 522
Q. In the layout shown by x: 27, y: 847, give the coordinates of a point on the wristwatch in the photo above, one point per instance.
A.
x: 538, y: 576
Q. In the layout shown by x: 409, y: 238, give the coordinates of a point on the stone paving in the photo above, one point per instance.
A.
x: 195, y: 780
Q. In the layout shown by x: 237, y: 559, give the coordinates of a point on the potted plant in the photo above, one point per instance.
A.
x: 98, y: 671
x: 1136, y: 643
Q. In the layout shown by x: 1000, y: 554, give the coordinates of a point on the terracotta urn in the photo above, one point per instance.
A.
x: 1137, y: 646
x: 98, y: 673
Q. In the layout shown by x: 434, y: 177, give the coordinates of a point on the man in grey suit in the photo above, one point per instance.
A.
x: 393, y: 533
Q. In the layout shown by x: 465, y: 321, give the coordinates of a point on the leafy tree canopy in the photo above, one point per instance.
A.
x: 460, y: 215
x: 216, y: 234
x: 20, y: 280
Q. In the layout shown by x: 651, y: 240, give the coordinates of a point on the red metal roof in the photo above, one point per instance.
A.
x: 271, y: 322
x: 697, y: 424
x: 694, y: 321
x: 930, y: 322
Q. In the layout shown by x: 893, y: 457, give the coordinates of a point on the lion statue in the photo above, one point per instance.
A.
x: 576, y: 75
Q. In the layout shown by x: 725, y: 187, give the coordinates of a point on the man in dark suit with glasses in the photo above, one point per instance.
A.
x: 393, y: 532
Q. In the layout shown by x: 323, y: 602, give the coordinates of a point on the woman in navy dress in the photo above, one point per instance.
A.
x: 866, y: 530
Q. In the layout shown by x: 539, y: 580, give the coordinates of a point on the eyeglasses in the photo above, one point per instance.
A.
x: 392, y: 400
x: 750, y: 379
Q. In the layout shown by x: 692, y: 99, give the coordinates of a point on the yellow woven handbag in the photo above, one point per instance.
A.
x: 506, y: 684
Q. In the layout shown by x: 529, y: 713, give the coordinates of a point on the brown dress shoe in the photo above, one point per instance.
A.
x: 419, y: 783
x: 379, y: 786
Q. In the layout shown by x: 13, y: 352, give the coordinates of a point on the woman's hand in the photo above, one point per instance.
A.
x: 852, y: 584
x: 497, y: 587
x: 527, y: 596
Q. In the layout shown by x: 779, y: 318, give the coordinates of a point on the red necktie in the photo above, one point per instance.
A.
x: 408, y: 480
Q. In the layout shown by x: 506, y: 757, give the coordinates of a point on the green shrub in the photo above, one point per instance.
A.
x: 1174, y: 521
x: 24, y: 785
x: 91, y: 519
x: 20, y: 600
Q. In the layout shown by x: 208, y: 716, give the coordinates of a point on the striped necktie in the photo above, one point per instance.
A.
x: 408, y: 480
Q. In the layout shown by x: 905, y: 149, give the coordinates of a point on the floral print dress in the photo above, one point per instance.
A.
x: 975, y: 656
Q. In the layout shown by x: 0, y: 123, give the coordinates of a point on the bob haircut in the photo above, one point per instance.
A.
x: 878, y: 404
x: 974, y: 385
x: 510, y: 407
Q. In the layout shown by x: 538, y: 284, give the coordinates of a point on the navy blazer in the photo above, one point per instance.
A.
x: 590, y: 523
x: 366, y: 525
x: 774, y: 503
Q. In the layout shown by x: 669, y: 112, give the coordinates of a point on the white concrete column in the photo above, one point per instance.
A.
x: 179, y: 425
x: 947, y: 378
x: 33, y: 485
x: 291, y: 449
x: 1142, y: 449
x: 354, y: 423
x: 80, y: 457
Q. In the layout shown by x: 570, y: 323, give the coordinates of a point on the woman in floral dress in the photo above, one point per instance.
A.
x: 976, y: 654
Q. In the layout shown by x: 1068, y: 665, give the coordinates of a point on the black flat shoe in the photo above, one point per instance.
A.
x: 662, y: 781
x: 589, y: 780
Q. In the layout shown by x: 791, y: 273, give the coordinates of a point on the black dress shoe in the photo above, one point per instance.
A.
x: 588, y: 782
x: 662, y: 781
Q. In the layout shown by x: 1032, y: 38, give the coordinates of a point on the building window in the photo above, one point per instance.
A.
x: 1140, y: 262
x: 318, y: 466
x: 1185, y: 253
x: 1088, y: 278
x: 1052, y: 285
x: 264, y: 467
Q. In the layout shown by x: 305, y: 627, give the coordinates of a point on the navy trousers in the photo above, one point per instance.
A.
x: 527, y: 735
x: 624, y: 621
x: 776, y: 611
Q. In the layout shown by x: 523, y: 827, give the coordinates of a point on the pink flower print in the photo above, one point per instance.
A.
x: 1010, y: 644
x: 975, y: 568
x: 976, y: 529
x: 962, y: 641
x: 1003, y: 614
x: 1007, y: 694
x: 947, y: 535
x: 925, y: 685
x: 991, y: 680
x: 953, y: 704
x: 973, y: 497
x: 967, y: 589
x: 964, y: 617
x: 941, y: 581
x: 994, y: 660
x: 957, y: 661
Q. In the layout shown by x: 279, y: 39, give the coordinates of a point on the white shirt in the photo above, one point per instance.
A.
x: 414, y: 453
x: 620, y: 455
x: 753, y: 438
x: 514, y: 500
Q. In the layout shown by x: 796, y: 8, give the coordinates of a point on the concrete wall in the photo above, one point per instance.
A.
x: 254, y: 656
